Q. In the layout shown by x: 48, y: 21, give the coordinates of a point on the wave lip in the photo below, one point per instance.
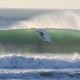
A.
x: 39, y: 62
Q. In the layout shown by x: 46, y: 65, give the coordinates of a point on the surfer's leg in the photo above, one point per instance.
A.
x: 42, y: 36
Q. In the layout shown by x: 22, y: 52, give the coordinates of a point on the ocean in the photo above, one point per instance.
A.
x: 24, y: 56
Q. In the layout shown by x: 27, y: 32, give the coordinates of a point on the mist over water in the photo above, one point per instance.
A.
x: 60, y: 19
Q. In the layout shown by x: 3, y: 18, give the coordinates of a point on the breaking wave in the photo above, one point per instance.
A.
x: 39, y: 61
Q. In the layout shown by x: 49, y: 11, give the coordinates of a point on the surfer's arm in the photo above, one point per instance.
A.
x: 38, y: 31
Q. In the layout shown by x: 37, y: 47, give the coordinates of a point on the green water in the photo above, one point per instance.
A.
x: 63, y: 41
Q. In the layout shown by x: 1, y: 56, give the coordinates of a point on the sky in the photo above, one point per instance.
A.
x: 43, y: 4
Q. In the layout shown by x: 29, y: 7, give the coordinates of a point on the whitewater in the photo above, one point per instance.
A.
x: 37, y: 67
x: 37, y: 61
x: 24, y: 56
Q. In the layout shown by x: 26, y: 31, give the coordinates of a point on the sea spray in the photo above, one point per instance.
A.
x: 60, y: 19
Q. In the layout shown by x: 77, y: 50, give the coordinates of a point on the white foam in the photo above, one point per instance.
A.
x: 39, y: 74
x: 39, y: 61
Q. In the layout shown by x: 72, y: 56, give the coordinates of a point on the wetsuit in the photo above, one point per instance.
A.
x: 41, y: 34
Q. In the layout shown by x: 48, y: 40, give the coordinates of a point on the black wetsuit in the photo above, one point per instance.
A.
x: 41, y: 34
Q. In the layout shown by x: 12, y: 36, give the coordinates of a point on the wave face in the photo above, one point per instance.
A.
x: 64, y: 41
x: 44, y: 61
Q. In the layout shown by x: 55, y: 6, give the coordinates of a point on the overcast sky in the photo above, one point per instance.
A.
x: 44, y: 4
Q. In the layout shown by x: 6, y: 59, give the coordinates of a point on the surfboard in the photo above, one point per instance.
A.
x: 45, y: 37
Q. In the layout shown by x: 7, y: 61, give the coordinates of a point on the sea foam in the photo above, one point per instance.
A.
x: 39, y: 61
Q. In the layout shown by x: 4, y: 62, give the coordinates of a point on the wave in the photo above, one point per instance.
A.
x: 39, y: 61
x: 66, y: 41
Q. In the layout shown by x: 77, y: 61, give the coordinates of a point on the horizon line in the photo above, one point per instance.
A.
x: 44, y: 8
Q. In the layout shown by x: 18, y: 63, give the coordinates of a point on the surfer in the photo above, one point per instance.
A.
x: 41, y: 34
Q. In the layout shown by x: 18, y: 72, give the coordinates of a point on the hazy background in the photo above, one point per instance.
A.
x: 48, y: 4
